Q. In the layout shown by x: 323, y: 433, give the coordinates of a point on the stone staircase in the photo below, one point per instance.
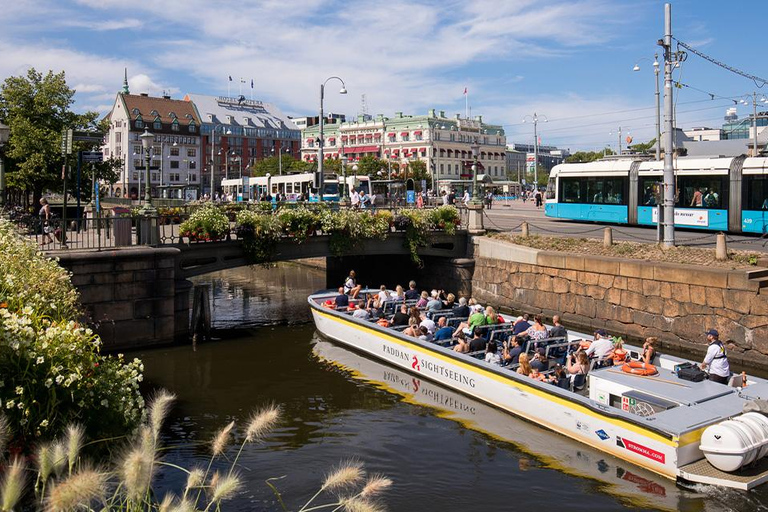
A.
x: 760, y: 276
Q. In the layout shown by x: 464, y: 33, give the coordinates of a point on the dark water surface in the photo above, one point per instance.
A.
x: 443, y: 451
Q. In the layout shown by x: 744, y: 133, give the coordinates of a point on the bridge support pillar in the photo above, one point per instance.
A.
x: 475, y: 224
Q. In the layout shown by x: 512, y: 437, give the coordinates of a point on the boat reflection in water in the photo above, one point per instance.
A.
x: 636, y: 486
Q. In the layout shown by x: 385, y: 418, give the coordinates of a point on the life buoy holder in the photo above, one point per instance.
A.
x: 639, y: 368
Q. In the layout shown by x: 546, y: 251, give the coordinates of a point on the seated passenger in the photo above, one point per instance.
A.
x: 398, y: 293
x: 537, y: 331
x: 361, y: 313
x: 422, y: 302
x: 476, y: 319
x: 578, y: 363
x: 412, y: 293
x: 539, y: 361
x: 558, y: 331
x: 491, y: 318
x: 428, y: 323
x: 649, y: 350
x: 450, y: 300
x: 401, y: 317
x: 424, y: 334
x: 602, y: 348
x: 477, y: 343
x: 521, y: 325
x: 435, y: 304
x: 559, y: 376
x: 383, y: 295
x: 512, y: 351
x: 492, y: 354
x: 342, y: 299
x: 461, y: 343
x: 525, y: 365
x: 350, y: 285
x: 462, y: 310
x: 443, y: 331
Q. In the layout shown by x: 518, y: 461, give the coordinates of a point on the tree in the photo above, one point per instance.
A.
x: 644, y: 147
x: 588, y: 156
x: 37, y: 109
x: 370, y: 165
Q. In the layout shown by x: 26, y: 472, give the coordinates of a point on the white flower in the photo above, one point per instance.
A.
x: 9, y: 404
x: 40, y: 360
x: 59, y: 379
x: 19, y: 390
x: 105, y: 402
x: 48, y: 382
x: 44, y: 423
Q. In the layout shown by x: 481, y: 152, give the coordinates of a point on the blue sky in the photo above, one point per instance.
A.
x: 570, y: 61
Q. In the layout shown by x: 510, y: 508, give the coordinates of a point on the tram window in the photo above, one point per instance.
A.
x: 571, y: 191
x: 550, y: 189
x: 757, y: 192
x: 650, y: 191
x: 702, y: 192
x: 594, y: 190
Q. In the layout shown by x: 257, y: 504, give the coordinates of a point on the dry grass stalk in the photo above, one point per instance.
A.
x: 137, y: 470
x: 224, y: 487
x: 158, y: 409
x: 261, y: 422
x: 347, y: 474
x: 12, y: 486
x: 44, y: 462
x: 221, y: 439
x: 74, y: 443
x: 375, y: 485
x: 77, y: 491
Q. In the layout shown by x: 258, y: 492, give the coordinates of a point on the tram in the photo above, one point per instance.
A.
x: 291, y: 186
x: 715, y: 194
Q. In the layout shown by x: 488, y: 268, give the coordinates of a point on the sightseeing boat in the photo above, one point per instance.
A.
x: 680, y: 429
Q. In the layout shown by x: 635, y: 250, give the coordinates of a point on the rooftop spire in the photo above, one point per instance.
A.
x: 125, y: 83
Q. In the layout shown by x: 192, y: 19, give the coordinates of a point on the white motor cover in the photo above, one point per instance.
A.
x: 734, y: 443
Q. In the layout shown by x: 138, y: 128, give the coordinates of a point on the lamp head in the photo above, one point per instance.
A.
x: 343, y: 90
x: 146, y: 139
x: 636, y: 68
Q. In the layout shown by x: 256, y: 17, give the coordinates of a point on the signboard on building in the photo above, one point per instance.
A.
x: 92, y: 156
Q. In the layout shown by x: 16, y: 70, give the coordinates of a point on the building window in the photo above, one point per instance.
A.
x: 406, y: 137
x: 154, y: 176
x: 157, y: 125
x: 136, y: 165
x: 175, y: 125
x: 139, y: 123
x: 192, y: 164
x: 135, y: 176
x: 191, y: 152
x: 136, y: 150
x: 193, y: 177
x: 118, y: 136
x: 174, y: 164
x: 174, y: 151
x: 192, y: 127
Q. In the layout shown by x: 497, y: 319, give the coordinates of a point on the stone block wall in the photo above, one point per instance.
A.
x: 631, y: 298
x: 131, y: 296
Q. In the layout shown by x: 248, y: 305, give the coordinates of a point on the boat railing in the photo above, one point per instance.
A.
x: 436, y: 314
x: 548, y: 344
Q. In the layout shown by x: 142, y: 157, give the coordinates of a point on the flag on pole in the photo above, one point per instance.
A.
x: 465, y: 91
x: 251, y: 83
x: 230, y: 78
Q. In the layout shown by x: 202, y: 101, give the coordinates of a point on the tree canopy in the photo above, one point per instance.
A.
x: 36, y: 107
x: 588, y: 156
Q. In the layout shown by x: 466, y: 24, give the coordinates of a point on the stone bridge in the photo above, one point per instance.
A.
x: 140, y: 296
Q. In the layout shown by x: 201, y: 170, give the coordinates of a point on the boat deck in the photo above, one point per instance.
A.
x: 703, y: 472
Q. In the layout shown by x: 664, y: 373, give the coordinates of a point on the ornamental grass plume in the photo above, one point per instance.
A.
x: 347, y: 474
x: 137, y: 469
x: 158, y: 408
x: 221, y: 439
x: 195, y: 479
x: 375, y: 485
x: 358, y: 504
x: 12, y: 486
x: 44, y: 455
x: 74, y: 442
x: 224, y: 487
x: 77, y: 491
x: 58, y: 457
x: 261, y: 422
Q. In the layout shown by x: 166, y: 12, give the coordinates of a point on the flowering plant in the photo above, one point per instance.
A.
x: 299, y: 223
x: 260, y: 234
x: 206, y: 223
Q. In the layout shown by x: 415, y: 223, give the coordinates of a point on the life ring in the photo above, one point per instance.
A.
x: 329, y: 304
x: 639, y: 368
x: 383, y: 322
x: 584, y: 344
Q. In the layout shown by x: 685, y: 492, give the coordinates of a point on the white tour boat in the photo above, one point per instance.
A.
x: 692, y: 431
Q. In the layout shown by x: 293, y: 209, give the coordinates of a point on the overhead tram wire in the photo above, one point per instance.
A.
x: 759, y: 82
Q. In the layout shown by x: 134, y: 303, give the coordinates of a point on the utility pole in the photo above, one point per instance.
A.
x: 669, y: 170
x: 619, y: 146
x: 754, y: 124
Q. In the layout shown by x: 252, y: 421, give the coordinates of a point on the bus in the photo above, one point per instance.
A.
x: 715, y: 194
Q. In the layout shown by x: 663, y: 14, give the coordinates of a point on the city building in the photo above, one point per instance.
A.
x: 236, y: 133
x: 443, y: 144
x: 704, y: 134
x: 175, y: 154
x: 520, y: 158
x: 306, y: 121
x: 742, y: 128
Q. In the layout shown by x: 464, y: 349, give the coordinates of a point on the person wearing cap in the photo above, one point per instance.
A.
x: 716, y: 359
x: 602, y: 348
x: 342, y: 299
x: 476, y: 318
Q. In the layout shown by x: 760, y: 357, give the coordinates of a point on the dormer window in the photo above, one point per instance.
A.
x: 188, y: 115
x: 139, y: 121
x: 136, y: 112
x: 154, y: 113
x: 192, y: 127
x: 172, y: 115
x: 175, y: 125
x: 158, y: 124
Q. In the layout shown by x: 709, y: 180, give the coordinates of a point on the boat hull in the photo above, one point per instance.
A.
x: 573, y: 416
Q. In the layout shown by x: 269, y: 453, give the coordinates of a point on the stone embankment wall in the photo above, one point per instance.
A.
x: 131, y: 296
x: 630, y: 298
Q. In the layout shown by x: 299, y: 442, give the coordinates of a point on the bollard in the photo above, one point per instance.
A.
x: 721, y: 250
x: 524, y: 227
x: 607, y: 237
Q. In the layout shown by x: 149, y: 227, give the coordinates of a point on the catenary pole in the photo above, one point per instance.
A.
x: 669, y: 171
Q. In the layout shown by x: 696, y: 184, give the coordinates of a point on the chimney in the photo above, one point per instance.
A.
x: 166, y: 96
x: 431, y: 112
x: 442, y: 113
x: 479, y: 119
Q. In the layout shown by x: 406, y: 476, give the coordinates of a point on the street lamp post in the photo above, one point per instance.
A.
x: 658, y: 101
x: 148, y: 234
x: 475, y: 147
x: 5, y: 133
x: 321, y: 141
x: 535, y: 119
x: 146, y: 142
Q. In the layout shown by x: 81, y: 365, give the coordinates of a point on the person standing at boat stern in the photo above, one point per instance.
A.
x: 350, y: 285
x: 716, y: 359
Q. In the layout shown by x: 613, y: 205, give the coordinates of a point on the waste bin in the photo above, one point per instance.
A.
x: 121, y: 218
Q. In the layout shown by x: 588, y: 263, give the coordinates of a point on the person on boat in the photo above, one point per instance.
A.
x: 401, y: 316
x: 491, y: 317
x: 424, y: 334
x: 374, y: 307
x: 539, y: 361
x: 462, y: 345
x: 578, y: 363
x: 435, y: 304
x: 398, y: 294
x: 525, y: 366
x: 383, y: 295
x: 423, y: 300
x: 492, y: 354
x: 716, y: 359
x: 443, y: 332
x: 558, y: 331
x: 412, y: 293
x: 512, y: 351
x: 462, y: 310
x: 649, y: 349
x: 476, y: 319
x: 602, y: 348
x: 559, y: 376
x: 361, y: 313
x: 428, y: 323
x: 450, y: 301
x: 521, y: 325
x: 342, y: 299
x: 477, y: 343
x: 537, y: 331
x: 350, y: 285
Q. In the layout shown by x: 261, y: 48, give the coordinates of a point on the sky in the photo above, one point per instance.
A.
x: 570, y: 62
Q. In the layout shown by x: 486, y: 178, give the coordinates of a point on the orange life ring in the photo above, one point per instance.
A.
x: 584, y: 344
x: 383, y: 322
x: 639, y: 368
x: 329, y: 304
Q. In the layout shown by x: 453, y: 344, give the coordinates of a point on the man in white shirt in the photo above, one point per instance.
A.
x: 602, y: 347
x: 465, y: 199
x: 716, y: 359
x: 355, y: 199
x: 429, y: 324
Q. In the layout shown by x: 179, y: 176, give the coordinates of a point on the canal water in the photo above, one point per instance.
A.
x: 442, y: 450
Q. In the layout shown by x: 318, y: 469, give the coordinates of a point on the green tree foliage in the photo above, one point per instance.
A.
x: 588, y: 156
x: 370, y: 166
x: 37, y: 108
x: 271, y: 165
x: 417, y: 170
x: 644, y: 147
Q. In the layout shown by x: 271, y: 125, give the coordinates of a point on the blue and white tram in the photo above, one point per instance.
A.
x: 292, y: 186
x: 718, y: 194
